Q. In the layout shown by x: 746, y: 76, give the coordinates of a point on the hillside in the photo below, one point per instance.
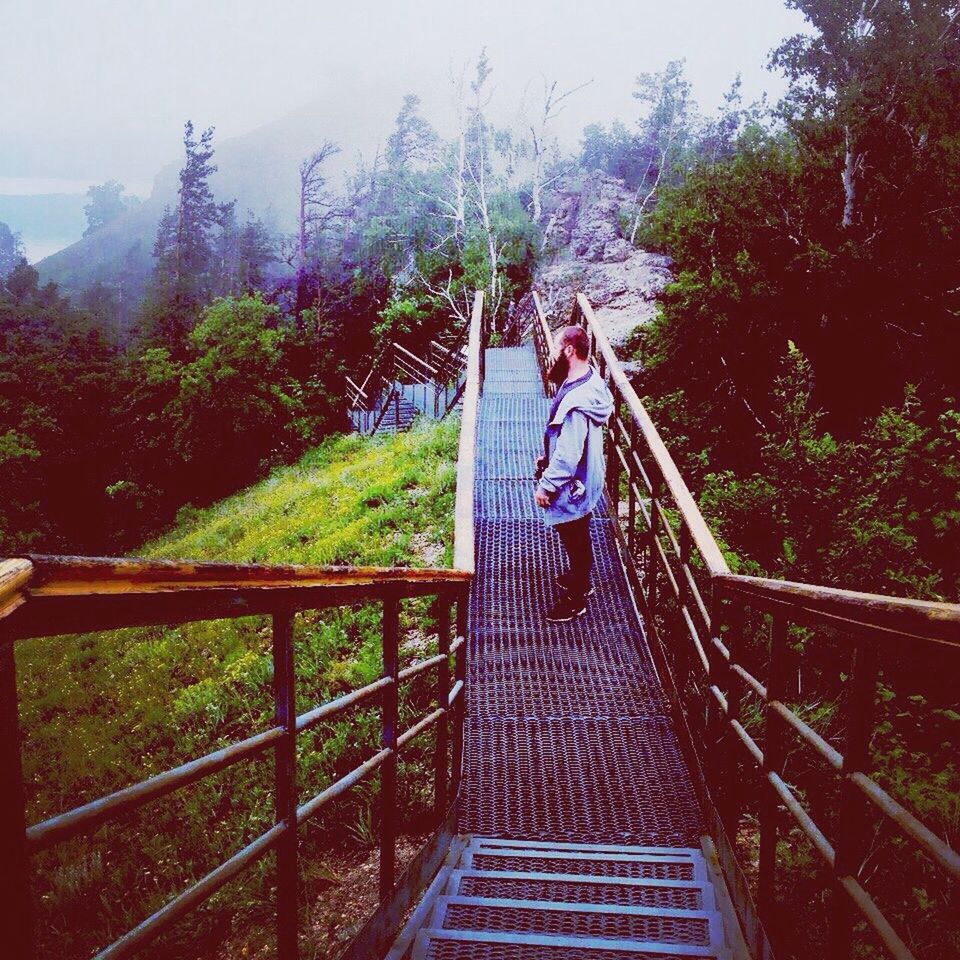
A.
x: 104, y: 710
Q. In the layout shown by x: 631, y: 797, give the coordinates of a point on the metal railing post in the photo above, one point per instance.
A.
x: 285, y: 784
x: 388, y: 741
x: 772, y: 763
x: 460, y: 676
x: 652, y: 544
x: 613, y: 461
x: 442, y: 750
x: 16, y: 903
x: 732, y: 805
x: 631, y: 496
x: 852, y: 833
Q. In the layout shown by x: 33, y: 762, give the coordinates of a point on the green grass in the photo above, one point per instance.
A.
x: 101, y: 711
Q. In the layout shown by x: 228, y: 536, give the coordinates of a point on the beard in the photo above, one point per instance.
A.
x: 559, y: 369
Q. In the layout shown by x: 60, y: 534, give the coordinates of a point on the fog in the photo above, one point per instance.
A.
x: 100, y: 89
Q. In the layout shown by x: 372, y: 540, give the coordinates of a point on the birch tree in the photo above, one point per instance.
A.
x: 664, y: 129
x: 552, y: 104
x: 316, y: 204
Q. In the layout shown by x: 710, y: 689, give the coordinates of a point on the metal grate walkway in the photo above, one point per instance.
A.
x: 580, y: 833
x: 567, y: 737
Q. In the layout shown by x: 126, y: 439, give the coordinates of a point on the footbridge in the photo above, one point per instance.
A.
x: 619, y: 786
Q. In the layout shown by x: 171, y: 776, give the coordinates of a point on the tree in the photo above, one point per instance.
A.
x: 184, y: 273
x: 412, y: 140
x: 198, y: 214
x: 552, y: 105
x: 236, y: 404
x: 878, y: 76
x: 256, y: 251
x: 11, y: 249
x: 106, y: 204
x: 316, y: 210
x: 663, y: 129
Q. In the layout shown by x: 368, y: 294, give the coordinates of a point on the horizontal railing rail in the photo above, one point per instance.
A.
x: 42, y: 596
x: 695, y: 609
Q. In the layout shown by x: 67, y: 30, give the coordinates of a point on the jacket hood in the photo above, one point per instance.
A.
x: 592, y: 398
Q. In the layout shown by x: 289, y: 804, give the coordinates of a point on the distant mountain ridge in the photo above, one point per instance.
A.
x: 259, y: 169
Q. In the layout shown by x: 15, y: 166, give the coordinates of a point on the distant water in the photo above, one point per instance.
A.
x: 36, y: 250
x: 48, y: 211
x: 27, y: 186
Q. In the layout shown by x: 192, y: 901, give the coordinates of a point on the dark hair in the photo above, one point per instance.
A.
x: 575, y: 337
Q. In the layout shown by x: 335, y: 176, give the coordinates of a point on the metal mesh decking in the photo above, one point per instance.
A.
x: 567, y: 729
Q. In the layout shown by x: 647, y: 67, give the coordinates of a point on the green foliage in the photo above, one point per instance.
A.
x: 803, y: 367
x: 104, y: 710
x: 11, y: 250
x: 106, y: 203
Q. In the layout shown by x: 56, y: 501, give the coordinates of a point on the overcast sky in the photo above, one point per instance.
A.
x: 100, y: 88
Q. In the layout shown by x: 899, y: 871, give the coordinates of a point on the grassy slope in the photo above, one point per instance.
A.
x: 104, y: 710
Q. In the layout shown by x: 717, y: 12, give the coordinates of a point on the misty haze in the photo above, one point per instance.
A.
x: 480, y: 481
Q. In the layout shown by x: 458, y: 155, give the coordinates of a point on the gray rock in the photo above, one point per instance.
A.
x: 589, y: 253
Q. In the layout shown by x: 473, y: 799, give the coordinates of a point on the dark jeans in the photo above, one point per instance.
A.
x: 575, y: 537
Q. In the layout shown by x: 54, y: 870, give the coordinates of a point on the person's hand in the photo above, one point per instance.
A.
x: 542, y: 498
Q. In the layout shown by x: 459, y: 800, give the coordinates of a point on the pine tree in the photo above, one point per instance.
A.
x: 185, y: 273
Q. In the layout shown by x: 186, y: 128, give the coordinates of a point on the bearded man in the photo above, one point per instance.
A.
x: 571, y: 470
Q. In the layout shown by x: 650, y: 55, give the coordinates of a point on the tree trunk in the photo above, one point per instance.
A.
x: 851, y: 163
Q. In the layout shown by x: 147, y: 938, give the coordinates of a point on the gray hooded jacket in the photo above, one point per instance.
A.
x: 573, y: 478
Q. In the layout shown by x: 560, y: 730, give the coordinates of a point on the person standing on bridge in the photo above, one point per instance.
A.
x: 571, y: 470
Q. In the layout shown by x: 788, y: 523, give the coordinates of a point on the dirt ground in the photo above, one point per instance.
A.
x: 344, y: 894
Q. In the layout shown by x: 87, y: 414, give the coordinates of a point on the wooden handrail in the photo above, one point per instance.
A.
x: 463, y: 535
x: 901, y: 616
x: 702, y: 537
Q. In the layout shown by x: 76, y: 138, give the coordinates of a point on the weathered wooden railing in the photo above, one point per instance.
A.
x: 695, y: 610
x: 44, y: 596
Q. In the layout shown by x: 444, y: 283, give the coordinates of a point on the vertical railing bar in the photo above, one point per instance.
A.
x: 631, y: 494
x: 613, y: 464
x: 285, y: 784
x: 734, y: 688
x: 443, y: 696
x: 652, y: 545
x: 851, y: 842
x: 388, y: 741
x: 460, y: 674
x: 16, y: 903
x: 772, y: 763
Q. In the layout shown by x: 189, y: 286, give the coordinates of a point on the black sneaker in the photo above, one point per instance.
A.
x: 566, y: 610
x: 561, y: 582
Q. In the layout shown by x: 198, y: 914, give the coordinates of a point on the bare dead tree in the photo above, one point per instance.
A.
x: 553, y: 104
x: 317, y: 206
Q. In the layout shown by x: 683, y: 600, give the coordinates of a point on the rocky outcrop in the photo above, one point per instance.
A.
x: 586, y: 250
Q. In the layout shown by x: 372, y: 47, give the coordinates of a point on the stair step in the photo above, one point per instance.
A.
x: 580, y: 888
x: 499, y: 843
x: 597, y: 864
x: 433, y: 944
x: 599, y: 921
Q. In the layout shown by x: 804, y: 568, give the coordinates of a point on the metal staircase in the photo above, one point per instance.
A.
x: 402, y: 385
x: 529, y: 900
